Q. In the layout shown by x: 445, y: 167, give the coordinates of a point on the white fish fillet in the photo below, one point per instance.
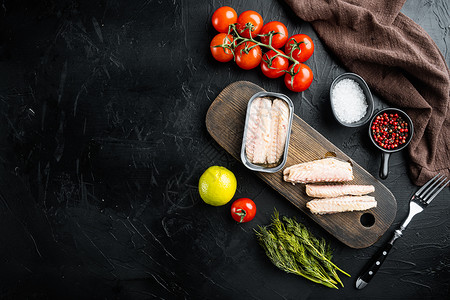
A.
x: 266, y: 130
x: 323, y: 170
x: 336, y: 190
x: 263, y: 132
x: 256, y: 145
x: 252, y: 128
x: 341, y: 204
x: 279, y: 130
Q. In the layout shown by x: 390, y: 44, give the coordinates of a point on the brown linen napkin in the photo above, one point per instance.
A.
x: 399, y: 61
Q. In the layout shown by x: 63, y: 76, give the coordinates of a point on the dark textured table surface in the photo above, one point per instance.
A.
x: 103, y: 141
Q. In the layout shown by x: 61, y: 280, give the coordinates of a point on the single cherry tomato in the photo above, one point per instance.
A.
x: 243, y: 210
x: 248, y: 55
x: 273, y: 65
x: 219, y: 48
x: 223, y: 17
x: 300, y: 79
x: 280, y: 34
x: 301, y: 46
x: 249, y: 19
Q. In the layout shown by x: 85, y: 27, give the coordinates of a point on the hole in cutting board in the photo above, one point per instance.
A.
x: 367, y: 220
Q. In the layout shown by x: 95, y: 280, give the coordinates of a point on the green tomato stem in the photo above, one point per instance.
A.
x: 241, y: 213
x: 238, y: 40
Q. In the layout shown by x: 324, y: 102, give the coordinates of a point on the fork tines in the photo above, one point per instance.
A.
x: 432, y: 188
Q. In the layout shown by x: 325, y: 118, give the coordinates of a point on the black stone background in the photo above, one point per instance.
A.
x: 102, y: 143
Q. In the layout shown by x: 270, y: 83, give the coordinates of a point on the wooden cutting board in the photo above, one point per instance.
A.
x: 225, y: 122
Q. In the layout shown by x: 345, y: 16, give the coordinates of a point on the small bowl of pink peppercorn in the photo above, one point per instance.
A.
x: 351, y: 100
x: 390, y: 130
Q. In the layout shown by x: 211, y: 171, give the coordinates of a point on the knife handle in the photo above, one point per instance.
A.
x: 373, y: 266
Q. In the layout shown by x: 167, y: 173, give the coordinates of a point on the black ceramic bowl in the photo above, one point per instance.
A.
x: 358, y: 79
x: 385, y: 154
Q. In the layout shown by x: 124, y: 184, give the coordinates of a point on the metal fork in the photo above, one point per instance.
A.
x: 419, y: 201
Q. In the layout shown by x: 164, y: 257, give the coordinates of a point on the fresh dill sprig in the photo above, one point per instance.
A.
x: 293, y: 249
x: 301, y: 232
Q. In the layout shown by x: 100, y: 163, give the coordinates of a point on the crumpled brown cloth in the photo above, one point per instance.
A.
x: 399, y: 61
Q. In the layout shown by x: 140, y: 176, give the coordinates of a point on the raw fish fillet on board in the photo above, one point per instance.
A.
x: 323, y: 170
x: 267, y: 130
x: 341, y: 204
x: 336, y: 190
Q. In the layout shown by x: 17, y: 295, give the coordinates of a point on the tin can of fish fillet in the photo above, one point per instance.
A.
x: 267, y: 132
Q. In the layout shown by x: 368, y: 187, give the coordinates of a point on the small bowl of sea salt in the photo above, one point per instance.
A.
x: 351, y: 100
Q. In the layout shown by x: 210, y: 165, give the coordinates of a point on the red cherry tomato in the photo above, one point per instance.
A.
x: 253, y: 20
x: 273, y: 65
x: 301, y: 80
x: 301, y: 45
x: 279, y: 37
x: 223, y: 17
x: 248, y: 55
x: 220, y: 53
x: 243, y: 210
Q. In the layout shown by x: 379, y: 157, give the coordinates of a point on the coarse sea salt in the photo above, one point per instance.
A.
x: 348, y: 101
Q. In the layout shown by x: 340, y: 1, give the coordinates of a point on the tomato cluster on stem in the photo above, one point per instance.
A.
x: 243, y: 38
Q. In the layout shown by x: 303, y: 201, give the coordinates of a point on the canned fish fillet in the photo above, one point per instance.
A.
x: 267, y: 131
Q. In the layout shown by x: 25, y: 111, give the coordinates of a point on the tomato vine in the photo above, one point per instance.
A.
x: 298, y: 49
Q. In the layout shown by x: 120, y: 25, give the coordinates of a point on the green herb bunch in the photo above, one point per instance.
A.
x: 293, y: 249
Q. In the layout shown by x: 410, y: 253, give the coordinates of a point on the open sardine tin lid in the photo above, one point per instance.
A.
x: 261, y: 168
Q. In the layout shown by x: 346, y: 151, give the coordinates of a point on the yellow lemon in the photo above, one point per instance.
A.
x: 217, y: 186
